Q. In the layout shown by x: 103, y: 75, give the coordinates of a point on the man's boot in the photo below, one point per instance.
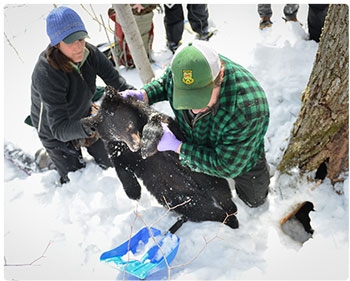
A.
x: 265, y: 22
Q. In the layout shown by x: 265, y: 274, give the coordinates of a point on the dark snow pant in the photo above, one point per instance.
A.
x: 68, y: 159
x: 252, y: 187
x: 315, y: 20
x: 174, y: 20
x: 290, y: 11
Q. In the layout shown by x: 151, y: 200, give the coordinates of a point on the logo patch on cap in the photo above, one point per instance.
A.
x: 187, y: 77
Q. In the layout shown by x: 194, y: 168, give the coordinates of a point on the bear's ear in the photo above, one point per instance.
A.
x: 112, y: 96
x: 110, y: 91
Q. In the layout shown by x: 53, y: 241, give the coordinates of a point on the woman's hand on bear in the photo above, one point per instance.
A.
x: 169, y: 141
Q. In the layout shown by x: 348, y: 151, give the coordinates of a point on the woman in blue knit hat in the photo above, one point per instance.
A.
x: 63, y: 85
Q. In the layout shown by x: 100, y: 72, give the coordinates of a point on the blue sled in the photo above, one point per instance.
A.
x: 151, y: 262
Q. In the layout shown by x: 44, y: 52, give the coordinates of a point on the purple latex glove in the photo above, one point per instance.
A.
x: 168, y: 140
x: 136, y: 93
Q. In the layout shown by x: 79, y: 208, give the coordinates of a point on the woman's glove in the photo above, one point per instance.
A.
x: 136, y: 93
x: 168, y: 140
x: 87, y: 141
x: 91, y: 132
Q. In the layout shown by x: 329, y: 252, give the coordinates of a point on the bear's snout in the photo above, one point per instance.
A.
x: 135, y: 143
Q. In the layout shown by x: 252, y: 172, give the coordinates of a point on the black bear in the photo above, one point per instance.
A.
x: 130, y: 130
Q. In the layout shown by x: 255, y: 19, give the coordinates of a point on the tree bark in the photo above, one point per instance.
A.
x: 133, y: 38
x: 320, y: 134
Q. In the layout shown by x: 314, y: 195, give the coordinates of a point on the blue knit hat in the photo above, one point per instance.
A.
x: 62, y: 22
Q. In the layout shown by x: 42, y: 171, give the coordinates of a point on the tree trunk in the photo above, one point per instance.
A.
x: 320, y: 135
x: 133, y: 38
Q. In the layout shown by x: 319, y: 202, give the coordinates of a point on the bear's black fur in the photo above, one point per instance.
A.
x: 131, y: 130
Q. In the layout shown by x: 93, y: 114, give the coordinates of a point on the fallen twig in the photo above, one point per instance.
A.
x: 13, y: 47
x: 160, y: 249
x: 94, y: 16
x: 131, y: 230
x: 31, y: 263
x: 206, y: 244
x: 169, y: 209
x: 114, y: 55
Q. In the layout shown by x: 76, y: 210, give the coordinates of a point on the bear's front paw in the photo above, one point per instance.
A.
x: 151, y: 134
x: 133, y: 193
x: 232, y: 221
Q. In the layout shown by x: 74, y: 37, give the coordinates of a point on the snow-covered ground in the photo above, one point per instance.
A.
x: 92, y: 214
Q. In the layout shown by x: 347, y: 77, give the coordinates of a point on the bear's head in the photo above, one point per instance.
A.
x: 117, y: 119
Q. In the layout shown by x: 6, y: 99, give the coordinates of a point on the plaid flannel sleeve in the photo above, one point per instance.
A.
x: 160, y: 89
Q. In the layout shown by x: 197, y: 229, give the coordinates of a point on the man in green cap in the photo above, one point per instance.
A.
x: 223, y: 113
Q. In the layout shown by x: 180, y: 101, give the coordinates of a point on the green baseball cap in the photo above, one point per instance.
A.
x: 75, y: 36
x: 194, y: 69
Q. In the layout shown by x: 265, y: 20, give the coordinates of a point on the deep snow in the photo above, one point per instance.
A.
x: 92, y: 214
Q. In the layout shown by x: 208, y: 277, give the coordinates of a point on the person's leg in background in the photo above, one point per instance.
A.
x: 252, y: 187
x: 198, y: 16
x: 315, y: 20
x: 66, y: 159
x: 265, y: 13
x: 174, y: 25
x: 290, y: 12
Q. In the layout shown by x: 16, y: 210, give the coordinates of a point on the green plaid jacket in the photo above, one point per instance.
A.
x: 227, y: 140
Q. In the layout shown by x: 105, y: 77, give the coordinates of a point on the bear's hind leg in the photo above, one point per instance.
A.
x: 204, y: 210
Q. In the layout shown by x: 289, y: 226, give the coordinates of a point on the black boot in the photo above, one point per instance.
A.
x: 173, y: 46
x: 265, y: 22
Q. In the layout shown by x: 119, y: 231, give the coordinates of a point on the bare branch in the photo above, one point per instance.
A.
x: 31, y: 263
x: 178, y: 205
x: 114, y: 55
x: 13, y: 47
x: 169, y: 209
x: 94, y: 17
x: 206, y: 242
x: 131, y: 230
x: 138, y: 215
x: 160, y: 249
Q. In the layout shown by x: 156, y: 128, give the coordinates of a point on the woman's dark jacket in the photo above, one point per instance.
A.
x: 60, y: 99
